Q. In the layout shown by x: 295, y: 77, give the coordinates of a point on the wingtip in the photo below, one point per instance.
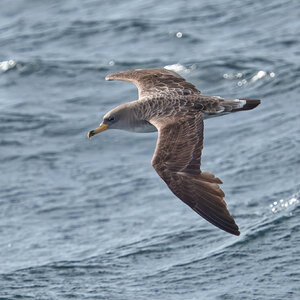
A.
x: 237, y: 233
x: 236, y: 230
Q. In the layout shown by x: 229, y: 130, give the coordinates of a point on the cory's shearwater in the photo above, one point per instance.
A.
x: 176, y: 109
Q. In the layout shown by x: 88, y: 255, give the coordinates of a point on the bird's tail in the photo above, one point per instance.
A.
x: 233, y: 105
x: 227, y: 106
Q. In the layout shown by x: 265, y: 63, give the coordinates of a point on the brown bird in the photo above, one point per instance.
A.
x: 176, y: 109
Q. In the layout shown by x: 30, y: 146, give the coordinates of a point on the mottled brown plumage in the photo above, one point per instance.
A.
x: 176, y: 109
x: 156, y: 82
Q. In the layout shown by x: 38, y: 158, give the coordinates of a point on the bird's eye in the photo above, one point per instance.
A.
x: 110, y: 118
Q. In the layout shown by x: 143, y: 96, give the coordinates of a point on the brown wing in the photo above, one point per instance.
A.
x: 177, y: 161
x: 156, y: 82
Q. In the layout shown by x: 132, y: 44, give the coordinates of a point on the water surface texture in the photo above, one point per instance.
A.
x: 90, y: 219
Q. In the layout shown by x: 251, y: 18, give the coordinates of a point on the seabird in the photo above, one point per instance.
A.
x: 175, y: 108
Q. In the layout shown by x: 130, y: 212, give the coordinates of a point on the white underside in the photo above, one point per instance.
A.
x: 143, y: 128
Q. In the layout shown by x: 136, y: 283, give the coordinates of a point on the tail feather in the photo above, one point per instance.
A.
x: 226, y: 106
x: 245, y: 104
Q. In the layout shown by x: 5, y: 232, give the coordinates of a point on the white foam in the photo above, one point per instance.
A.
x: 176, y: 67
x: 258, y: 76
x: 7, y: 65
x: 283, y: 204
x: 180, y: 68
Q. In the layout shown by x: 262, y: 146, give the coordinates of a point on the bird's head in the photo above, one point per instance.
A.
x: 114, y: 119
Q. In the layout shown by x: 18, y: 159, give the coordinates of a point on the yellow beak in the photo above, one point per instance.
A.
x: 101, y: 128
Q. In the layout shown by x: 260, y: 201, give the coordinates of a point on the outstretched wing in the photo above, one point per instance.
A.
x: 177, y: 161
x: 151, y: 82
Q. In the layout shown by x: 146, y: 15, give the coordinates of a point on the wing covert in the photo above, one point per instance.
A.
x: 156, y: 82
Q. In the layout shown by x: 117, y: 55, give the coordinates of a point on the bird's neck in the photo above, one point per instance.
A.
x: 139, y: 116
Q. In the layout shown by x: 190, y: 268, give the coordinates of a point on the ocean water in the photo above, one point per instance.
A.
x: 90, y: 219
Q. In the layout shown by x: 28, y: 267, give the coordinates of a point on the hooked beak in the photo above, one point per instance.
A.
x: 101, y: 128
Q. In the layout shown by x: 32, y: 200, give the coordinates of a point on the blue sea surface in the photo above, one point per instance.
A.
x: 90, y: 219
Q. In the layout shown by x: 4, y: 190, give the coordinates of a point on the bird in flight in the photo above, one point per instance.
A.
x: 176, y: 109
